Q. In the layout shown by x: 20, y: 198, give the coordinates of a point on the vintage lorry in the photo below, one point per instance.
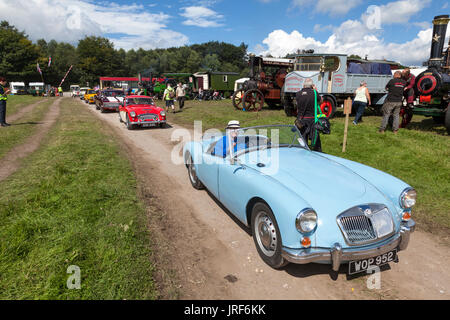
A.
x: 336, y: 78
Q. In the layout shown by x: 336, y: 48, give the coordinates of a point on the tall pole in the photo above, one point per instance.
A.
x: 67, y: 73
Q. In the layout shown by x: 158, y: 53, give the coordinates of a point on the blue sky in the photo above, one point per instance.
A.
x: 397, y: 30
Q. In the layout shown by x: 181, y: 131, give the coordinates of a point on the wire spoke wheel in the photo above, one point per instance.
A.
x: 253, y: 100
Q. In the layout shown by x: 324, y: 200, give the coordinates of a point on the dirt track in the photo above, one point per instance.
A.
x: 211, y: 256
x: 11, y: 161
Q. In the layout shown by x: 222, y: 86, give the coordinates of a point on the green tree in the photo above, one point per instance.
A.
x: 18, y: 55
x: 97, y: 57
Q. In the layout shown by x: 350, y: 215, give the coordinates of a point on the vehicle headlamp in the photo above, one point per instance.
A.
x: 133, y: 114
x: 162, y: 113
x: 306, y: 221
x: 408, y: 198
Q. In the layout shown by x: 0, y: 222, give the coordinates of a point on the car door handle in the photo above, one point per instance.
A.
x: 239, y: 168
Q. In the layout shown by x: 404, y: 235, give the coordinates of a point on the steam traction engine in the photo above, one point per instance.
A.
x: 433, y: 85
x: 267, y: 77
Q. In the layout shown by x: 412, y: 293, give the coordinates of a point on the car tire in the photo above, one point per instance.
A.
x: 266, y: 236
x: 193, y: 178
x: 129, y: 125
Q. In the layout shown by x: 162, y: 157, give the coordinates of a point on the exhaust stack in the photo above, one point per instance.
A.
x: 437, y: 43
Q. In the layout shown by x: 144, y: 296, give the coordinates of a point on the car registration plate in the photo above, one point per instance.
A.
x: 149, y: 124
x: 366, y: 264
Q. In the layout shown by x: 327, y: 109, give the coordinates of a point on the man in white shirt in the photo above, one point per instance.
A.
x: 181, y: 95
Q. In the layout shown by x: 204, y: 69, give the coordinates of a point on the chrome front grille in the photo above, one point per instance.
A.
x: 149, y: 116
x: 358, y: 229
x: 366, y: 224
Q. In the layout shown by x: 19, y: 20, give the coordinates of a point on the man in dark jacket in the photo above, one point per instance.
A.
x: 3, y: 98
x: 406, y: 111
x: 393, y: 102
x: 306, y: 114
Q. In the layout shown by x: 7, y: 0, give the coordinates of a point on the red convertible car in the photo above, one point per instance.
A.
x: 141, y: 111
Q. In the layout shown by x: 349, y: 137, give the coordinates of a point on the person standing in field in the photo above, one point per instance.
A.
x: 169, y: 95
x: 393, y: 103
x: 362, y: 100
x: 307, y: 100
x: 406, y: 111
x: 3, y: 98
x: 180, y: 95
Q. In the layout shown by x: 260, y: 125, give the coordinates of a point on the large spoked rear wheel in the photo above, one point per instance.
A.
x: 195, y: 181
x: 253, y: 100
x: 266, y: 235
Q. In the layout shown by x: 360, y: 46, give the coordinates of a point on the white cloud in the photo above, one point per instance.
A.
x: 127, y: 26
x: 332, y: 7
x: 201, y: 17
x: 358, y: 37
x: 399, y: 12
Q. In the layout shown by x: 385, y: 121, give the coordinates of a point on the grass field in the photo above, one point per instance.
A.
x: 16, y: 102
x: 74, y: 202
x: 25, y: 126
x: 419, y: 155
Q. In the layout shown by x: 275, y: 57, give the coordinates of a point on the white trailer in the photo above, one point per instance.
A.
x: 17, y: 88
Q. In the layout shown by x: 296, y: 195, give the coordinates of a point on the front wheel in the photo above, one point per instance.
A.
x: 237, y: 99
x: 266, y: 235
x: 328, y: 107
x: 195, y: 181
x: 129, y: 125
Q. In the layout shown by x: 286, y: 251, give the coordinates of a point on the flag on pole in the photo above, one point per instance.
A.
x: 49, y: 61
x: 67, y: 73
x: 39, y: 69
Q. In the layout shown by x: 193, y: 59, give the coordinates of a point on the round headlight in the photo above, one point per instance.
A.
x: 162, y: 113
x: 408, y: 198
x: 133, y: 114
x: 306, y: 221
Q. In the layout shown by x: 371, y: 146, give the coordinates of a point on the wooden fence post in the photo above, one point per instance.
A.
x: 347, y: 111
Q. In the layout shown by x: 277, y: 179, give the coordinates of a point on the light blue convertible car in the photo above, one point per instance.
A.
x: 303, y: 206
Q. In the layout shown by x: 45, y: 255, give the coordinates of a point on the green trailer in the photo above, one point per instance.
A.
x: 216, y: 81
x: 36, y: 88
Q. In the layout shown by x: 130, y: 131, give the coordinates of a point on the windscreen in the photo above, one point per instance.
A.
x: 132, y: 101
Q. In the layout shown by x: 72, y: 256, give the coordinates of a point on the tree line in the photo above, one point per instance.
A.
x: 94, y: 57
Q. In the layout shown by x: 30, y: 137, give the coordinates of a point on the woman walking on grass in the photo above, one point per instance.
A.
x: 362, y: 100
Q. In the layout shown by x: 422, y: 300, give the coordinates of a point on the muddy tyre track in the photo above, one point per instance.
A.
x: 11, y: 161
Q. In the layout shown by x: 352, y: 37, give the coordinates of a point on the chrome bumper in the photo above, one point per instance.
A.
x: 147, y: 122
x: 337, y: 255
